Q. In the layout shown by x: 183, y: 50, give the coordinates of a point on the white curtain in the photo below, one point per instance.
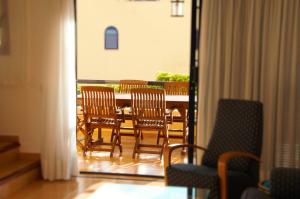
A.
x: 59, y: 158
x: 250, y: 49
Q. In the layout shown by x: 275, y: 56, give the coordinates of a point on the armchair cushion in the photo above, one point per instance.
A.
x: 190, y: 175
x: 254, y: 193
x: 285, y: 183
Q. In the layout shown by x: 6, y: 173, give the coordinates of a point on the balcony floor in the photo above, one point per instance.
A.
x: 144, y: 164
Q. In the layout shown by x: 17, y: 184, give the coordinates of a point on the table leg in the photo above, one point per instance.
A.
x: 183, y: 113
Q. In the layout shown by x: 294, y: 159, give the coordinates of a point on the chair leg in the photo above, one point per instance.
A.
x: 165, y: 142
x: 88, y: 134
x: 158, y: 138
x: 119, y: 141
x: 112, y: 135
x: 137, y: 137
x: 113, y: 146
x: 162, y: 146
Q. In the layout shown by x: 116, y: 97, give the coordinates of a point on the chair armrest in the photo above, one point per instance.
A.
x: 170, y: 148
x: 223, y: 166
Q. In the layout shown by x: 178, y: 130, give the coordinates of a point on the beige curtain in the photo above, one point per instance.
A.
x: 250, y: 49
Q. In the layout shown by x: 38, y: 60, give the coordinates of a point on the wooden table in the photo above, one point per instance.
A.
x: 180, y: 102
x: 131, y: 191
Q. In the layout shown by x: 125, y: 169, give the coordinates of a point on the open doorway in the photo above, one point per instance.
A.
x: 132, y: 40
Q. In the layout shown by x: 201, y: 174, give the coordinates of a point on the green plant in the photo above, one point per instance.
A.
x: 164, y: 76
x: 154, y: 86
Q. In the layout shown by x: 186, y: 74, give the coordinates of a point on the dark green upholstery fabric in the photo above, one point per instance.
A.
x: 285, y: 183
x: 202, y: 176
x: 238, y: 127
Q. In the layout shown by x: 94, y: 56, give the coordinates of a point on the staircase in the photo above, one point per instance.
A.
x: 16, y: 169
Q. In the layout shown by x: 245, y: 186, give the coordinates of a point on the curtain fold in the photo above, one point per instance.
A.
x: 59, y: 158
x: 250, y: 50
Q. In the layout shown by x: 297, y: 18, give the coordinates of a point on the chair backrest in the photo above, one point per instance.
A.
x: 238, y: 127
x: 148, y: 103
x: 127, y: 85
x: 98, y: 102
x: 176, y: 88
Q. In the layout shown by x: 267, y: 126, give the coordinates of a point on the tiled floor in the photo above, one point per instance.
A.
x: 145, y: 164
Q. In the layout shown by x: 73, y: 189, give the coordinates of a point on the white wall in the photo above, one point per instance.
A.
x: 150, y: 40
x: 20, y: 72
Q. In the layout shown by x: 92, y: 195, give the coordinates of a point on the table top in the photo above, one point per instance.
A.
x: 182, y: 98
x: 130, y: 191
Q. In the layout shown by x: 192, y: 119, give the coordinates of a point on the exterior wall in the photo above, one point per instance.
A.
x: 150, y: 40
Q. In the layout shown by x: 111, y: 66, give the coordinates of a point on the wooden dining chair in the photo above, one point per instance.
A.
x: 127, y: 85
x: 149, y: 113
x: 79, y: 129
x: 176, y: 88
x: 124, y: 87
x: 99, y: 111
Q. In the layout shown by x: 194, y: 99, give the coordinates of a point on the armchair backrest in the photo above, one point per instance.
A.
x: 238, y: 127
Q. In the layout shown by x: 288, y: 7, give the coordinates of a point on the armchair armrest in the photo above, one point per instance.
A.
x: 223, y: 166
x: 168, y: 153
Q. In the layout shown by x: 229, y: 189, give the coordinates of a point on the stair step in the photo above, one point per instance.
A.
x: 8, y: 138
x: 9, y: 152
x: 6, y: 146
x: 17, y: 174
x: 17, y: 168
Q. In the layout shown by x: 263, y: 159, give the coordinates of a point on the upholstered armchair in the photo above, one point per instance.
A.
x: 285, y: 184
x: 230, y: 163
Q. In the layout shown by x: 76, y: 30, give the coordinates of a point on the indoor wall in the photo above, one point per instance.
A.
x: 21, y: 79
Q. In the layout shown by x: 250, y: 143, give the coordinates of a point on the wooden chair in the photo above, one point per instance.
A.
x: 149, y: 113
x: 99, y: 111
x: 79, y: 129
x: 176, y: 88
x: 124, y: 87
x: 127, y: 85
